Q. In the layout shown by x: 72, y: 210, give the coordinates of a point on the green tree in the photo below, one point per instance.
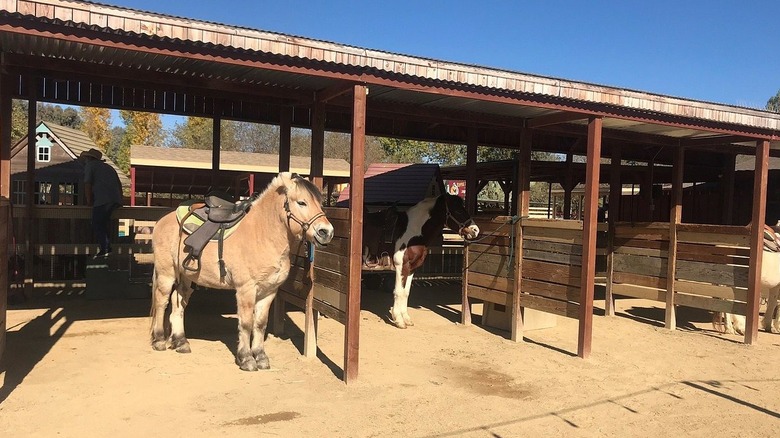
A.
x: 141, y: 128
x: 773, y: 104
x: 193, y: 133
x: 44, y: 112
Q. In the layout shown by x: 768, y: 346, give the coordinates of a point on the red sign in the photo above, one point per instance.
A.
x: 456, y: 187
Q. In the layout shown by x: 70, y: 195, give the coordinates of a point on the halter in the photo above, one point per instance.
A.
x: 461, y: 225
x: 304, y: 225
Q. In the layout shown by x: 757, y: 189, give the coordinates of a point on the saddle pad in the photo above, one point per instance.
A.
x: 193, y: 221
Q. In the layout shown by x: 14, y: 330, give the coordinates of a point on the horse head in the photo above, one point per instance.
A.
x: 303, y: 207
x: 458, y: 219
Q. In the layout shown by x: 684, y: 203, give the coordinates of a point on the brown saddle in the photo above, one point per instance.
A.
x: 214, y: 219
x: 380, y: 230
x: 771, y: 238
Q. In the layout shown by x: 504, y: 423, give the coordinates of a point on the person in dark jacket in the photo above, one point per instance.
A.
x: 104, y: 194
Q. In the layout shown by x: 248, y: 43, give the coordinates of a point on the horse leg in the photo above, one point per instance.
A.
x: 162, y: 286
x: 770, y: 322
x: 399, y: 299
x: 407, y: 291
x: 181, y: 296
x: 262, y: 308
x: 245, y: 307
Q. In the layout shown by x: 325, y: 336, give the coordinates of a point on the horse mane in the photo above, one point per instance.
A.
x: 284, y: 179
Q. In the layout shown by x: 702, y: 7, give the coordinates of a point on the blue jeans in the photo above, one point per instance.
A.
x: 101, y: 218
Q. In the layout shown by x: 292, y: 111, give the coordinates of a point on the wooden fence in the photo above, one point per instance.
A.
x: 550, y: 267
x: 711, y: 265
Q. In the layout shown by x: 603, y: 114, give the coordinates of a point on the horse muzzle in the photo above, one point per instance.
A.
x: 470, y: 232
x: 323, y: 234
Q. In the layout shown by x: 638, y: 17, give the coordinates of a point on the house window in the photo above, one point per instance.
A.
x: 43, y: 193
x: 43, y: 148
x: 20, y: 192
x: 68, y: 194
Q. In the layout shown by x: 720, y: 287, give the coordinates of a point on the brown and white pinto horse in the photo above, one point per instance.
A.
x: 404, y: 237
x: 256, y: 262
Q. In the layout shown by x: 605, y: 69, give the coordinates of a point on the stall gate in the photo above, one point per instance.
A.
x: 551, y: 266
x: 710, y: 272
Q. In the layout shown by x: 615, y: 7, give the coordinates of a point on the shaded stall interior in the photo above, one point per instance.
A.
x: 96, y: 55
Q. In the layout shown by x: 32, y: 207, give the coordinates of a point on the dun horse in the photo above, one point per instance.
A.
x: 405, y: 236
x: 256, y: 262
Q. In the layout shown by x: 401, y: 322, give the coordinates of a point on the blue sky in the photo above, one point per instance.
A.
x: 717, y: 50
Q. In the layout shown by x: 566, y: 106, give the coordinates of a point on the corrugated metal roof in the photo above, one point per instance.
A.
x: 155, y: 43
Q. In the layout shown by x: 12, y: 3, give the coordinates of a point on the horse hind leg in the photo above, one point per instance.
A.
x: 771, y: 321
x: 181, y: 296
x: 262, y: 308
x: 162, y: 286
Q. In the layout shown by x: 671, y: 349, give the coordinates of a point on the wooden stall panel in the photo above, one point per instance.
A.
x: 331, y: 268
x: 489, y: 262
x: 552, y: 266
x: 712, y: 267
x: 639, y: 260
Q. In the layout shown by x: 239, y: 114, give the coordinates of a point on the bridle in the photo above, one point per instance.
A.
x: 290, y: 216
x: 461, y: 225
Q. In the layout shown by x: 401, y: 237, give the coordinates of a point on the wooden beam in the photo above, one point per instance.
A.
x: 554, y: 119
x: 715, y: 140
x: 589, y: 238
x: 332, y: 92
x: 357, y: 162
x: 758, y: 217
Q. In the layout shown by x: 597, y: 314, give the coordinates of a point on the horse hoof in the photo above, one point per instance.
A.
x: 248, y: 364
x: 262, y: 361
x: 184, y: 348
x: 159, y: 345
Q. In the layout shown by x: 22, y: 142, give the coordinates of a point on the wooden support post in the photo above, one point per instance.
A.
x: 32, y: 115
x: 285, y: 136
x: 352, y: 329
x: 471, y: 207
x: 5, y: 193
x: 315, y: 176
x: 522, y: 186
x: 675, y: 217
x: 317, y: 143
x: 760, y: 178
x: 132, y: 186
x: 568, y: 185
x: 216, y: 142
x: 727, y: 189
x: 278, y: 311
x: 588, y: 275
x: 6, y: 93
x: 615, y: 194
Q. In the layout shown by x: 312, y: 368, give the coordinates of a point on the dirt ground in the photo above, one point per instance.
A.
x: 78, y: 367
